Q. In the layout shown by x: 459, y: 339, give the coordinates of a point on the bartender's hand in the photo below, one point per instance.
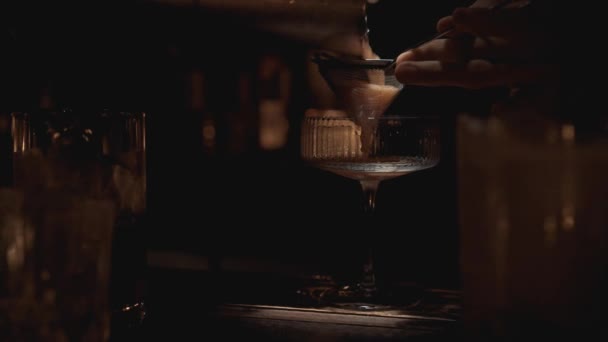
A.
x: 511, y: 46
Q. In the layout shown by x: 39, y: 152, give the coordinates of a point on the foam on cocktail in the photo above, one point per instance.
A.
x: 340, y: 136
x: 363, y: 103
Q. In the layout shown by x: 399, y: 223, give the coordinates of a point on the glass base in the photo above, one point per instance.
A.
x: 360, y: 297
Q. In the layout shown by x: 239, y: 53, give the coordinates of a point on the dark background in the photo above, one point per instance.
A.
x: 238, y: 200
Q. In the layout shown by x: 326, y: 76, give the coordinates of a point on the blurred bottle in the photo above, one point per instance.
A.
x: 274, y: 86
x: 533, y: 217
x: 197, y: 106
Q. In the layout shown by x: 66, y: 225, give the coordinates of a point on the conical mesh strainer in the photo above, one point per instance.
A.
x: 364, y: 88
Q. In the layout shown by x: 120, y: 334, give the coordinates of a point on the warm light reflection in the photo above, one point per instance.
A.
x: 208, y: 134
x: 15, y: 252
x: 568, y: 220
x: 274, y: 125
x: 20, y: 132
x: 568, y: 133
x: 132, y: 307
x: 275, y: 83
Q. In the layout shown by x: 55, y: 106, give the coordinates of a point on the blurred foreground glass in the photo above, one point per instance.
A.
x: 534, y: 226
x: 55, y: 263
x: 83, y: 174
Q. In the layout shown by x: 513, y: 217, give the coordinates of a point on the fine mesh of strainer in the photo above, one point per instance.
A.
x: 364, y: 88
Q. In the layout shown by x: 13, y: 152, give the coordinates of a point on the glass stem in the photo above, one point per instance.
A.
x: 370, y: 188
x: 368, y: 284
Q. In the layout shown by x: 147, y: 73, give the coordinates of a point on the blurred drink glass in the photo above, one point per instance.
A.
x: 55, y: 266
x: 82, y: 175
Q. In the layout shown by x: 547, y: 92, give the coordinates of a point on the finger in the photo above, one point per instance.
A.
x: 405, y: 56
x: 486, y: 22
x: 475, y: 74
x: 445, y: 24
x: 454, y: 50
x: 445, y: 50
